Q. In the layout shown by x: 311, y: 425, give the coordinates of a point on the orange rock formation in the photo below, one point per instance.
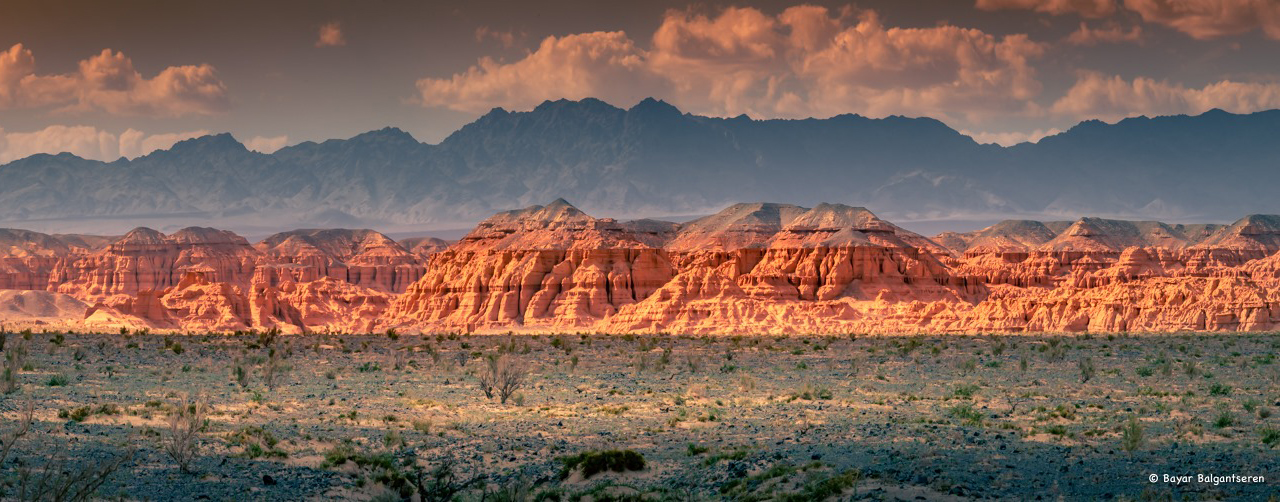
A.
x: 752, y: 268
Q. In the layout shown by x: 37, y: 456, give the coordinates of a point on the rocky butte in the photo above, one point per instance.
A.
x: 750, y: 268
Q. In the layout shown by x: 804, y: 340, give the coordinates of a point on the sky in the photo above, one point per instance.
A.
x: 123, y: 78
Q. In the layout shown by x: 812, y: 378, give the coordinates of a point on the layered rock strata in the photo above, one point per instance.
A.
x: 204, y: 279
x: 751, y: 268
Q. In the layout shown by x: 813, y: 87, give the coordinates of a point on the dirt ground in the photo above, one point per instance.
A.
x: 714, y: 418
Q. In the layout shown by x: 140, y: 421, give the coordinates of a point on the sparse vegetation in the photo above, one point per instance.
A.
x: 1087, y: 369
x: 183, y: 442
x: 716, y: 428
x: 15, y: 358
x: 595, y: 462
x: 502, y: 377
x: 1132, y: 435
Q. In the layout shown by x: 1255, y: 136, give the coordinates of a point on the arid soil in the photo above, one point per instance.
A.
x: 954, y: 417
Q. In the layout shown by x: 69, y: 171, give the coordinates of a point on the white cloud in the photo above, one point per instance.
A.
x: 266, y: 144
x: 87, y: 142
x: 806, y: 61
x: 331, y: 35
x: 109, y: 82
x: 1112, y: 97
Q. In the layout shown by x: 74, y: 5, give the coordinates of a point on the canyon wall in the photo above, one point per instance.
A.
x: 751, y: 268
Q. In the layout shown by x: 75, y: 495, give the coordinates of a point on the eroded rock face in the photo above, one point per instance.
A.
x: 554, y: 267
x: 835, y: 269
x: 203, y: 279
x: 361, y: 257
x: 754, y: 268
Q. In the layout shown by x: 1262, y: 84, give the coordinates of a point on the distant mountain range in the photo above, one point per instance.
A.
x: 654, y: 160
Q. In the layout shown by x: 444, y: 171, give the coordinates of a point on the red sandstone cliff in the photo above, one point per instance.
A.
x: 203, y: 279
x: 759, y: 267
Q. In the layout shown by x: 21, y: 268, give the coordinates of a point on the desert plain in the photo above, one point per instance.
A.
x: 265, y: 416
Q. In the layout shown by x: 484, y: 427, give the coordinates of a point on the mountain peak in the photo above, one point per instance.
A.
x: 386, y: 134
x: 209, y: 143
x: 592, y: 104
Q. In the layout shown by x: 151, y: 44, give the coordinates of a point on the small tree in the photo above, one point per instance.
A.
x: 183, y: 441
x: 503, y: 377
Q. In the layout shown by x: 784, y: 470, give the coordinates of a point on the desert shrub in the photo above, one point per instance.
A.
x: 60, y: 480
x: 257, y: 442
x: 967, y: 414
x: 1131, y: 435
x: 1250, y: 405
x: 182, y: 443
x: 56, y: 479
x: 1218, y: 389
x: 964, y: 391
x: 1225, y: 419
x: 14, y: 360
x: 502, y: 377
x: 1270, y: 436
x: 595, y: 462
x: 273, y: 368
x: 22, y: 427
x: 1087, y: 369
x: 826, y: 489
x: 440, y: 484
x: 241, y: 375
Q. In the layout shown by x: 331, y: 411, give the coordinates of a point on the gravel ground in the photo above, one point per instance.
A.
x: 740, y: 418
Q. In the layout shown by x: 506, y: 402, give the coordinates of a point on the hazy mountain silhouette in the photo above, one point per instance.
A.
x: 652, y: 159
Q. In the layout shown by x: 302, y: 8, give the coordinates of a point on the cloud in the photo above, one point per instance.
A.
x: 506, y: 38
x: 1010, y: 138
x: 108, y: 82
x: 331, y: 35
x: 1202, y: 19
x: 1112, y: 97
x: 1084, y: 8
x: 87, y: 142
x: 1111, y: 34
x: 605, y: 64
x: 1205, y: 19
x: 806, y: 61
x: 264, y: 144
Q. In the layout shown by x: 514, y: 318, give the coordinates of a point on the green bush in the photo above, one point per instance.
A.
x: 595, y: 462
